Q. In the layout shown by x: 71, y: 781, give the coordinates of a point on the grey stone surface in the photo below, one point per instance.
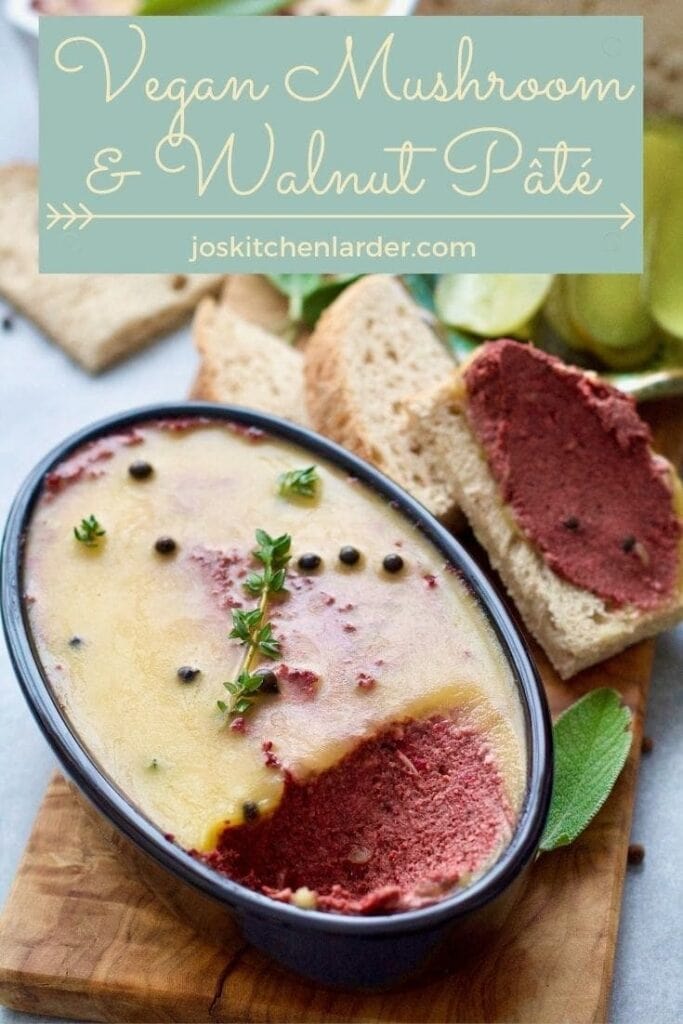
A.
x: 43, y: 397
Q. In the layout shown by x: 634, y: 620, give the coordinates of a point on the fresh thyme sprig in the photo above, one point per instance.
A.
x: 89, y: 532
x: 251, y: 628
x: 301, y: 483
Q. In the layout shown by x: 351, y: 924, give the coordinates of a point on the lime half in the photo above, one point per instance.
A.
x: 490, y: 304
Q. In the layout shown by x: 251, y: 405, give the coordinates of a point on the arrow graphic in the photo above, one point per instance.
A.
x: 67, y: 216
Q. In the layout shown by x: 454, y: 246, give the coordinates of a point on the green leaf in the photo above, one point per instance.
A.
x: 277, y: 582
x: 226, y: 7
x: 263, y: 539
x: 267, y: 643
x: 243, y: 624
x: 296, y: 287
x: 89, y: 531
x: 255, y: 582
x: 461, y: 345
x: 592, y: 739
x: 249, y: 683
x: 300, y: 483
x: 222, y: 706
x: 242, y: 706
x: 421, y: 287
x: 317, y: 301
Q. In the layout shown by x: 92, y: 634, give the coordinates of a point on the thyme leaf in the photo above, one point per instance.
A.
x: 300, y: 483
x: 89, y: 532
x: 251, y: 628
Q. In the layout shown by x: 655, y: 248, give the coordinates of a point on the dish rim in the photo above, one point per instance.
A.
x: 91, y: 779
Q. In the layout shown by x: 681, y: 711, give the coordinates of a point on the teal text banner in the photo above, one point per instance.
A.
x: 341, y: 144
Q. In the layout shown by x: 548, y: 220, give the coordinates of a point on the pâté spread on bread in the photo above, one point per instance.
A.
x: 574, y: 463
x: 275, y: 666
x: 557, y: 476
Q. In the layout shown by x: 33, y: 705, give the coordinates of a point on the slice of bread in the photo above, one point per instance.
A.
x: 254, y: 298
x: 96, y: 318
x: 369, y: 353
x: 245, y: 364
x: 575, y: 627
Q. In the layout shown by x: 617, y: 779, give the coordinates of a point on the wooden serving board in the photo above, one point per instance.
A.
x: 83, y: 934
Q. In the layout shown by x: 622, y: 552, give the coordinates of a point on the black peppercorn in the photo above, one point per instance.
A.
x: 628, y: 543
x: 187, y: 674
x: 75, y: 641
x: 309, y: 561
x: 571, y: 523
x: 392, y: 563
x: 269, y: 683
x: 140, y: 470
x: 250, y: 810
x: 349, y: 555
x: 165, y: 545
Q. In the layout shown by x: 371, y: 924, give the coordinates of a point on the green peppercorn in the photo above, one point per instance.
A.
x: 392, y: 563
x: 140, y: 470
x: 349, y: 555
x: 165, y: 545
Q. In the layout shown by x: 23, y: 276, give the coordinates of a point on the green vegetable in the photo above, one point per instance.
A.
x: 592, y: 739
x: 89, y: 532
x: 227, y: 7
x: 421, y: 287
x: 609, y: 314
x: 666, y: 260
x: 251, y: 628
x: 309, y: 294
x: 317, y: 301
x: 490, y: 305
x: 297, y: 288
x: 300, y: 483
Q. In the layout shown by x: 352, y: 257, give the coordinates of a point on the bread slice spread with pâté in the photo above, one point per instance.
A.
x: 555, y: 472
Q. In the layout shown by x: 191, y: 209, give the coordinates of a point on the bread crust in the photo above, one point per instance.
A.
x: 242, y: 363
x: 370, y: 351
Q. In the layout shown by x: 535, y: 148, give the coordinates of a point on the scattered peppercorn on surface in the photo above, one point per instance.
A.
x: 134, y: 635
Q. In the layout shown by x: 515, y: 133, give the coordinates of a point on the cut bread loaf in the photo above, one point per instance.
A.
x: 96, y: 319
x: 575, y: 627
x: 245, y: 364
x: 369, y: 353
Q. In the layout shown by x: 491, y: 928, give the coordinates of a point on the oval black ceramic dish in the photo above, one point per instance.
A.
x: 362, y: 952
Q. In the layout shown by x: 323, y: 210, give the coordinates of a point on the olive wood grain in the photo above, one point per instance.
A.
x: 84, y: 934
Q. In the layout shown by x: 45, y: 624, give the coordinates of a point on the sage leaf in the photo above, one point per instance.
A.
x: 421, y: 287
x: 592, y: 739
x: 317, y: 301
x: 296, y: 287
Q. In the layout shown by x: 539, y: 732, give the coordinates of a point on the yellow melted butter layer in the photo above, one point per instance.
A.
x: 141, y: 616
